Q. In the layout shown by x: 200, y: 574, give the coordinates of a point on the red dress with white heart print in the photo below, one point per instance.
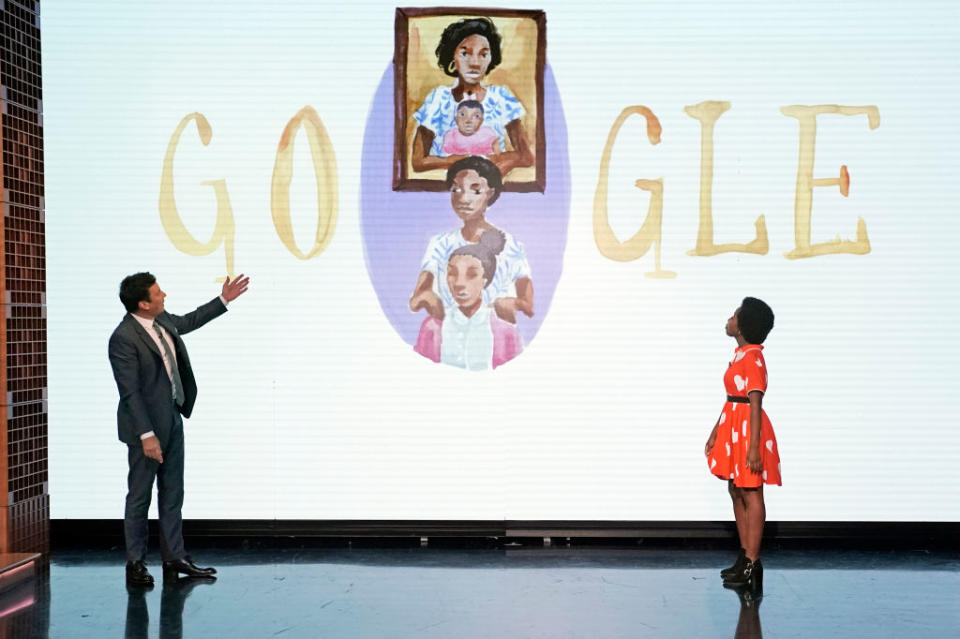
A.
x: 728, y: 458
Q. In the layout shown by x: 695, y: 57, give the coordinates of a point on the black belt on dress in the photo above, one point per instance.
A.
x: 738, y: 400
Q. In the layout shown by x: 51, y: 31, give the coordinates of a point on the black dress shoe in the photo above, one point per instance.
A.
x: 174, y: 568
x: 138, y: 575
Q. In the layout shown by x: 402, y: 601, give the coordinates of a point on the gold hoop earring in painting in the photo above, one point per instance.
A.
x: 452, y: 68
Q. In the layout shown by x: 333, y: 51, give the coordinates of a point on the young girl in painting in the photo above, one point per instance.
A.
x: 468, y: 50
x: 742, y: 448
x: 470, y: 335
x: 470, y: 137
x: 474, y: 184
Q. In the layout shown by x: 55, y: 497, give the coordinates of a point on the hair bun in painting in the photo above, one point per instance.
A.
x: 493, y: 240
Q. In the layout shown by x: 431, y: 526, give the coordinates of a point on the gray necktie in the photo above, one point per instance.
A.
x: 177, y: 384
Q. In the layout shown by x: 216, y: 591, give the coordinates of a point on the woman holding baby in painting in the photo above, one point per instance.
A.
x: 469, y: 118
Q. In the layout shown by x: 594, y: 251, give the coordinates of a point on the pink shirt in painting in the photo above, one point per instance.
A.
x: 506, y: 342
x: 480, y: 143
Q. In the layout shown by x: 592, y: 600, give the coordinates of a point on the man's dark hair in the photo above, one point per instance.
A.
x: 135, y: 289
x: 754, y: 320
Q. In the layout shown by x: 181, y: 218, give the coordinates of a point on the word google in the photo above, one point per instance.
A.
x: 649, y: 234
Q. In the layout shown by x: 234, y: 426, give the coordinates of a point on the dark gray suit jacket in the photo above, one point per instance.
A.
x: 145, y: 388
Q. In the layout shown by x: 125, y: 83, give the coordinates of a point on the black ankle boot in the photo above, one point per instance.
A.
x: 737, y: 566
x: 750, y: 576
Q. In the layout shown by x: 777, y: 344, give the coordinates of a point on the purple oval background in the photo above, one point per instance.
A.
x: 397, y: 225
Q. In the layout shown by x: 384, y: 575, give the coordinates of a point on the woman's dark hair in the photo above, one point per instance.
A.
x: 457, y: 32
x: 470, y: 104
x: 754, y: 320
x: 486, y: 250
x: 484, y: 168
x: 135, y: 289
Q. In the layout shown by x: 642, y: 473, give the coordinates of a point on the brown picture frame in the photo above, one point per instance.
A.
x: 404, y: 178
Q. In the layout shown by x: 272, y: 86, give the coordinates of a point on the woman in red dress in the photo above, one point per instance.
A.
x: 742, y: 448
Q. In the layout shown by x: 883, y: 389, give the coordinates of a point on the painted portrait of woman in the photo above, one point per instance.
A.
x: 469, y: 86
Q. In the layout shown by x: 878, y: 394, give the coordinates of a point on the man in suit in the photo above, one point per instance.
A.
x: 157, y: 386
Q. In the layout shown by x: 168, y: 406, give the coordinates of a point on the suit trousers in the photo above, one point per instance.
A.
x: 169, y: 478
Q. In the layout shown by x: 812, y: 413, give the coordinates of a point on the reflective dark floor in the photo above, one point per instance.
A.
x: 555, y: 592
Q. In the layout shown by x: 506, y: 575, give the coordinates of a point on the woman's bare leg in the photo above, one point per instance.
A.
x: 739, y: 512
x: 755, y: 517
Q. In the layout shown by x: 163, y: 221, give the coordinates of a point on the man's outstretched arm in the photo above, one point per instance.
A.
x: 232, y: 289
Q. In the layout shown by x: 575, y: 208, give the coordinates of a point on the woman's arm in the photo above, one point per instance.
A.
x: 521, y: 155
x: 712, y: 439
x: 524, y: 298
x: 424, y: 297
x: 420, y: 156
x: 754, y: 462
x: 507, y: 307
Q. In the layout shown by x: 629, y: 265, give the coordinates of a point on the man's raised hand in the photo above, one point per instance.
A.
x: 235, y: 288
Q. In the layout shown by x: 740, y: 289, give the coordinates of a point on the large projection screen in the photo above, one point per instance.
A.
x: 313, y: 403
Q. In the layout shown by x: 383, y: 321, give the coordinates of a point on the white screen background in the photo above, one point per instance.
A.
x: 312, y: 407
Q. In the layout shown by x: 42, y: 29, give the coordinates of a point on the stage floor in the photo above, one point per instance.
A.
x: 553, y: 592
